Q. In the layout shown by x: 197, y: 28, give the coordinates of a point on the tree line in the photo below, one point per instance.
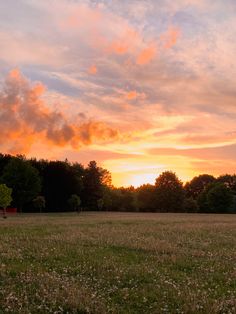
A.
x: 55, y: 186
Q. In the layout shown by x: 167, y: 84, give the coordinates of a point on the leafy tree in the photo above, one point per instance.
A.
x: 169, y: 193
x: 107, y: 198
x: 129, y: 199
x: 23, y: 179
x: 229, y: 181
x: 5, y: 197
x: 190, y: 205
x: 195, y: 187
x: 125, y: 199
x: 39, y: 203
x: 216, y: 198
x: 117, y: 200
x: 219, y: 198
x: 146, y: 197
x: 74, y: 202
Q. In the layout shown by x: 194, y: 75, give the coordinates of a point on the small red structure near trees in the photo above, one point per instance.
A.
x: 9, y: 210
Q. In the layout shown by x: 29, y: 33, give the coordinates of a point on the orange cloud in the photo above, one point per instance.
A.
x: 131, y: 95
x: 93, y: 70
x: 146, y: 55
x: 25, y: 119
x: 169, y: 39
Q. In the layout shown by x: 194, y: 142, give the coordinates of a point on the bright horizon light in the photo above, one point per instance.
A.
x: 140, y: 179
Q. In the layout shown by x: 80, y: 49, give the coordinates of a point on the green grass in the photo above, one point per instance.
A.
x: 118, y: 263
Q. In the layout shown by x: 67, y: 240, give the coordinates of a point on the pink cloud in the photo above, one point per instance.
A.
x: 25, y: 118
x: 133, y: 94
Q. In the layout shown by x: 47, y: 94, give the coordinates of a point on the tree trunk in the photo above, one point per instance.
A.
x: 4, y: 213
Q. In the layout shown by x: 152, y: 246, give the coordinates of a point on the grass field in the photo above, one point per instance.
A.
x: 118, y: 263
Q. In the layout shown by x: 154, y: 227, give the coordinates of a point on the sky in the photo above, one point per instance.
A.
x: 140, y: 86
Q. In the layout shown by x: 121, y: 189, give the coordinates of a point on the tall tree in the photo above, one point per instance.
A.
x: 24, y: 180
x: 169, y: 193
x: 95, y: 178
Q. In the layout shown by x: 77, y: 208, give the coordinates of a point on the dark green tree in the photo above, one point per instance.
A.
x: 24, y: 180
x: 169, y: 193
x: 117, y: 202
x: 146, y: 198
x: 74, y: 203
x: 190, y: 205
x: 4, y: 160
x: 124, y: 199
x: 107, y: 198
x: 195, y: 187
x: 216, y: 198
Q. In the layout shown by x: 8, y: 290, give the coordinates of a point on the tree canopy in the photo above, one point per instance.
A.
x: 169, y: 192
x: 197, y: 185
x: 24, y: 180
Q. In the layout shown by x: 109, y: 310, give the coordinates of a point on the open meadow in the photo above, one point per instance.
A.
x: 118, y: 263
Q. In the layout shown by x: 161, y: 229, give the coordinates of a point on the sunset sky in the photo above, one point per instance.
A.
x: 140, y: 86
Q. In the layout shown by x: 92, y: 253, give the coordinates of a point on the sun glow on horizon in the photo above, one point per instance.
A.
x: 139, y: 179
x: 139, y: 176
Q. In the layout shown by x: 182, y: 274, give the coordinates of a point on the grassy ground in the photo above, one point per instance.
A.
x: 118, y: 263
